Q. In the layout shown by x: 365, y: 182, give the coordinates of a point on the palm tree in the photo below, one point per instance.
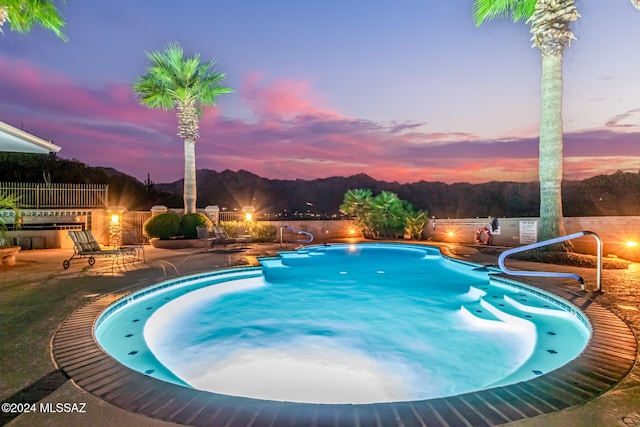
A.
x: 549, y: 21
x: 357, y: 203
x: 387, y: 213
x: 185, y: 84
x: 24, y: 14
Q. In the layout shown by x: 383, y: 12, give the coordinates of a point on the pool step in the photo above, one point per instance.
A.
x: 553, y: 340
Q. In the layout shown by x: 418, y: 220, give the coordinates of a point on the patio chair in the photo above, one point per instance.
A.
x: 85, y: 245
x: 220, y: 235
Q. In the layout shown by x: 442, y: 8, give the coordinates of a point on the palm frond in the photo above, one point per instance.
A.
x: 24, y: 14
x: 173, y: 80
x: 516, y: 10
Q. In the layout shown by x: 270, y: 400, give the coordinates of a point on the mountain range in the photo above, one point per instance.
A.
x: 602, y: 195
x: 616, y: 194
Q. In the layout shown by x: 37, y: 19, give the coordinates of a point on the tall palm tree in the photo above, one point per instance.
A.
x: 549, y: 21
x: 22, y: 15
x: 186, y: 85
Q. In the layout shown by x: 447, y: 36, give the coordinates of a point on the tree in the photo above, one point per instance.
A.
x: 357, y: 203
x: 385, y: 215
x: 549, y: 21
x: 186, y: 85
x: 22, y: 15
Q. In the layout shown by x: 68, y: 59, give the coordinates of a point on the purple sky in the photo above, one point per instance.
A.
x: 403, y: 91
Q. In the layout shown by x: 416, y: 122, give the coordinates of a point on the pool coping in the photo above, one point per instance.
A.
x: 607, y: 359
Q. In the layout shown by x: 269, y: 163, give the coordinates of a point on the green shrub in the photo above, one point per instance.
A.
x: 162, y: 226
x: 262, y: 231
x: 233, y: 227
x: 190, y: 221
x: 8, y: 201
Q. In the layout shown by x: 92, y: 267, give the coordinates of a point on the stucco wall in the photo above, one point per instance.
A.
x: 614, y: 231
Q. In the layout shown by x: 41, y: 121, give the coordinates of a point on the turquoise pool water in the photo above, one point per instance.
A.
x: 344, y: 323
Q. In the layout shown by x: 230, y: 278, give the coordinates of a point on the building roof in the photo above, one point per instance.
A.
x: 16, y: 140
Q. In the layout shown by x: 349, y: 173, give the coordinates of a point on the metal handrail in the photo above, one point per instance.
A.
x: 508, y: 252
x: 296, y: 231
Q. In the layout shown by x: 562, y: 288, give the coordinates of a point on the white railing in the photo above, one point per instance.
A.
x: 57, y: 195
x: 309, y: 238
x: 508, y: 252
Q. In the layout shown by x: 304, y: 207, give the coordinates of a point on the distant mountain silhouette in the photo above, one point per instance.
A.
x: 615, y: 194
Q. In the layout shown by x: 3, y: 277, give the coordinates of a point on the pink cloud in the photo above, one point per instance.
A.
x: 294, y: 135
x: 284, y: 98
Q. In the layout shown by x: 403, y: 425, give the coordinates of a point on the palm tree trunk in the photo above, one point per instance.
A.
x: 190, y: 191
x: 551, y: 155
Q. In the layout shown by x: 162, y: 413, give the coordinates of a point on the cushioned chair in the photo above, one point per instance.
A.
x: 85, y: 245
x: 221, y: 236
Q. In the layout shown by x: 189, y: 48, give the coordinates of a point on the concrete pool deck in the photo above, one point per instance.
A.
x: 37, y: 295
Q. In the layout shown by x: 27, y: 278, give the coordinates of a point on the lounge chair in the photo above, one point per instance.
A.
x: 221, y: 236
x: 85, y: 245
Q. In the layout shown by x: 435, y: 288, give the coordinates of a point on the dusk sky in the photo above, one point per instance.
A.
x: 402, y: 91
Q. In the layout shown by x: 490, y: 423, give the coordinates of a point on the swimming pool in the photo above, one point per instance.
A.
x: 344, y: 324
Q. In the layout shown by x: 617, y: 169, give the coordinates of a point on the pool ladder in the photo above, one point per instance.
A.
x: 508, y: 252
x: 295, y: 230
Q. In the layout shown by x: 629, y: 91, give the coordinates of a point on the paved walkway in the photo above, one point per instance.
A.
x: 36, y: 295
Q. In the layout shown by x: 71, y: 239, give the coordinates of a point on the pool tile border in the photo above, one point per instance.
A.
x: 607, y: 360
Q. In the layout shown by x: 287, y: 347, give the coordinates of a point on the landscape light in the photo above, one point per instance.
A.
x: 248, y: 212
x: 632, y: 244
x: 115, y: 225
x: 451, y: 234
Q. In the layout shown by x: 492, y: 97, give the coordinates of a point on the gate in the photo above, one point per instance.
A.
x: 132, y: 227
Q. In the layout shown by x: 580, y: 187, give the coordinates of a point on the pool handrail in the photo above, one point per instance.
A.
x: 295, y: 230
x: 508, y: 252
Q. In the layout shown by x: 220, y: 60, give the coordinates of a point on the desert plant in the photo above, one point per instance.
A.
x: 414, y: 223
x: 162, y: 226
x: 357, y: 203
x: 189, y: 222
x: 7, y: 202
x: 385, y: 215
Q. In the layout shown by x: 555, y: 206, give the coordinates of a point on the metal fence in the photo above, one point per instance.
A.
x: 230, y: 216
x: 40, y: 196
x: 132, y: 225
